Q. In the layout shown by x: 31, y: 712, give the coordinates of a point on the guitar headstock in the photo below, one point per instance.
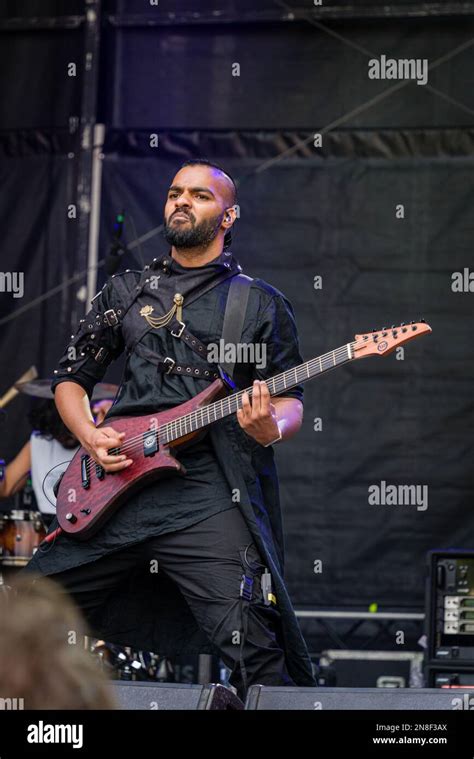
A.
x: 384, y: 341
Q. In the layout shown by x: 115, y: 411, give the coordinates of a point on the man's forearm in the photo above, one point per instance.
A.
x: 73, y: 407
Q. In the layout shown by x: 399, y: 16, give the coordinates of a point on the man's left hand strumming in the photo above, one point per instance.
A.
x: 269, y: 422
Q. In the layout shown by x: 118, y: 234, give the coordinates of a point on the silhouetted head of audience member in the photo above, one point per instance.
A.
x: 42, y: 656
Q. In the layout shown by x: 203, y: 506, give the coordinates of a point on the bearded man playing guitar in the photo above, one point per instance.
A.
x: 191, y: 562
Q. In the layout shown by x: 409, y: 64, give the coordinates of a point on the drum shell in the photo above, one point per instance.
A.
x: 21, y: 532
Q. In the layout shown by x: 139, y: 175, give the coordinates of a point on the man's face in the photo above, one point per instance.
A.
x: 195, y: 207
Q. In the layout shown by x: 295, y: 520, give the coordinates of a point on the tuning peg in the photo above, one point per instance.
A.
x: 422, y: 321
x: 402, y: 324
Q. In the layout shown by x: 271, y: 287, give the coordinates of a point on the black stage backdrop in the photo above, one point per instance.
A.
x: 326, y: 212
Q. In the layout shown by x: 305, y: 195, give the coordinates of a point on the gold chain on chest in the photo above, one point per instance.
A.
x: 161, y: 321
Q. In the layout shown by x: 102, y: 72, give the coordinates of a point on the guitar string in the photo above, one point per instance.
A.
x: 136, y: 442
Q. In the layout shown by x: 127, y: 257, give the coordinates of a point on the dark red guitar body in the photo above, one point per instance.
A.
x: 82, y: 510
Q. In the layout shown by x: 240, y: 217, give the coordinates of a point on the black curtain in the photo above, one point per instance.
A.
x: 305, y: 212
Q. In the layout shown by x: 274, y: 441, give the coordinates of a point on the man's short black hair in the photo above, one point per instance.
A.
x: 207, y: 162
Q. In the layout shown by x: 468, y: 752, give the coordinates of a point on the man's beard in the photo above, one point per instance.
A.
x: 192, y: 235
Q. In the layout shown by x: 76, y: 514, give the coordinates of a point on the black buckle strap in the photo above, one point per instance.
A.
x: 170, y: 366
x: 181, y: 330
x: 111, y: 317
x: 187, y: 337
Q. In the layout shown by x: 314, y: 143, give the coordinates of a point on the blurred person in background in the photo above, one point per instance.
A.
x: 43, y: 662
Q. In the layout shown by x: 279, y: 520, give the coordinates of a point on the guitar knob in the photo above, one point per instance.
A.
x: 71, y: 518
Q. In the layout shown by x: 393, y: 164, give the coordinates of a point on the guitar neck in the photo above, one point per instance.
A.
x: 277, y: 385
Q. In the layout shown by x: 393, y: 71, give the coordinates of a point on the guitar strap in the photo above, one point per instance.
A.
x: 234, y: 316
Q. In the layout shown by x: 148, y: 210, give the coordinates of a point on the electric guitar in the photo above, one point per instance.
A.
x: 88, y: 495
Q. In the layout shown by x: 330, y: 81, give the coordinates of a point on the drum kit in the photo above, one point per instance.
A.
x: 21, y: 531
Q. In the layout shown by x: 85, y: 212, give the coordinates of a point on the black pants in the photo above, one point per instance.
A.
x: 206, y: 561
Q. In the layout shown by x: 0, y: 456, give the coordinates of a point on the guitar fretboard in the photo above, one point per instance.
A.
x: 277, y: 385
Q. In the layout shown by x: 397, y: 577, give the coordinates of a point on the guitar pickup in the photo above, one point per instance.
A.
x: 150, y: 443
x: 86, y: 481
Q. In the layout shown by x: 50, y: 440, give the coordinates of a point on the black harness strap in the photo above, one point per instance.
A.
x: 236, y: 306
x: 170, y: 366
x: 177, y: 326
x: 234, y: 317
x: 178, y: 329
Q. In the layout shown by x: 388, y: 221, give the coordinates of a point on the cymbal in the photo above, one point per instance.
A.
x: 41, y: 388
